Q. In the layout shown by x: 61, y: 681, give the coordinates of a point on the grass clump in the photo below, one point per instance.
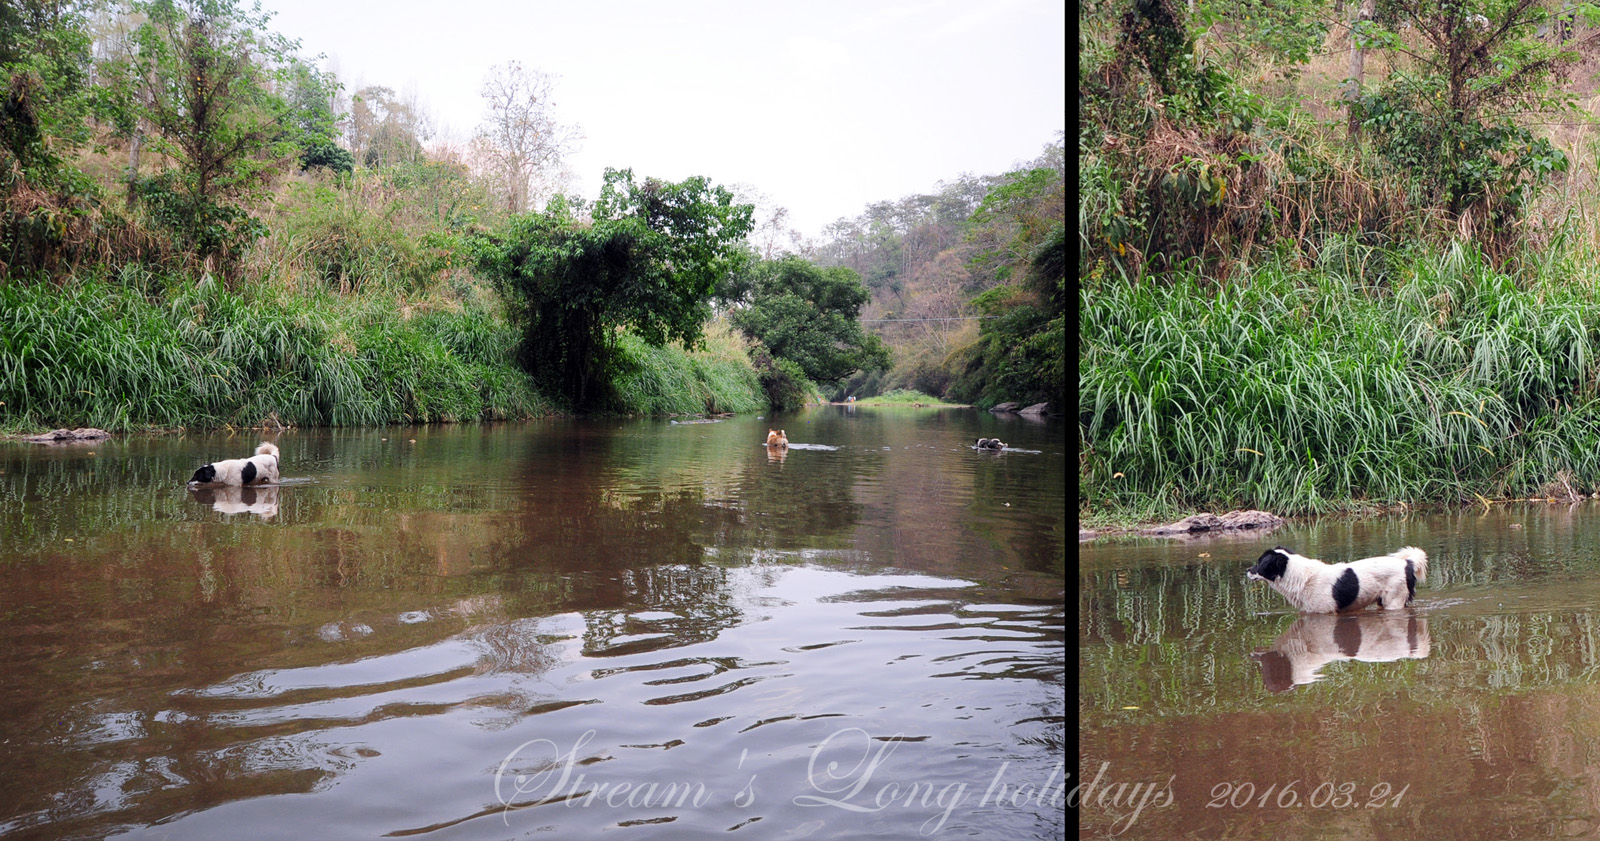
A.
x: 1375, y: 378
x: 99, y: 354
x: 669, y: 380
x: 903, y: 397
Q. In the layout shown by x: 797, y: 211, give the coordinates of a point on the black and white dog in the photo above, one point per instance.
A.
x: 1389, y: 581
x: 259, y: 469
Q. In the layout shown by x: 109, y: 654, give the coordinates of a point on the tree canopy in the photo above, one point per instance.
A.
x: 204, y: 74
x: 647, y: 260
x: 810, y: 316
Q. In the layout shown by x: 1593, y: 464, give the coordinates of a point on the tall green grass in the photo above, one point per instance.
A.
x: 669, y: 380
x: 1373, y: 378
x: 903, y: 397
x: 120, y: 357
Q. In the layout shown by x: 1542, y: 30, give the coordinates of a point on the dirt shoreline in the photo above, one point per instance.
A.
x: 1194, y: 525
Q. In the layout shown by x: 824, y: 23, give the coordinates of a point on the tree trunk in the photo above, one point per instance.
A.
x: 133, y: 160
x: 1360, y: 11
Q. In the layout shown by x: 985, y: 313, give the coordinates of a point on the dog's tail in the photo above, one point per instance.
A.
x: 267, y: 449
x: 1418, y: 559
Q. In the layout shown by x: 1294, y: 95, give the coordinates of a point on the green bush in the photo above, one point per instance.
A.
x: 783, y: 381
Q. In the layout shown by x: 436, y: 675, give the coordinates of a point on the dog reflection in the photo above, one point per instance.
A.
x: 261, y: 501
x: 1315, y: 640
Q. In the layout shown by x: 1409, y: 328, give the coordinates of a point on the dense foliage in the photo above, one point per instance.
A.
x: 106, y: 355
x: 160, y: 153
x: 939, y: 265
x: 1303, y: 287
x: 647, y: 260
x: 809, y: 316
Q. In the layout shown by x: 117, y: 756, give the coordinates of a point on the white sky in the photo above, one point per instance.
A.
x: 823, y: 105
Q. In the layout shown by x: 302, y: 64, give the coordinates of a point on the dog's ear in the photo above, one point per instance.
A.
x: 1272, y: 564
x: 205, y: 474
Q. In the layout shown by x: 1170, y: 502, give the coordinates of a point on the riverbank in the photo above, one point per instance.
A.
x: 196, y: 355
x: 166, y: 354
x: 1373, y: 380
x: 905, y: 398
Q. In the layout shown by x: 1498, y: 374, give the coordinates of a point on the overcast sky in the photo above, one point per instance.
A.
x: 823, y: 105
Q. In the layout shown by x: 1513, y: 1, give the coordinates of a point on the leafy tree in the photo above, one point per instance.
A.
x: 314, y: 128
x: 786, y: 385
x: 1449, y: 116
x: 202, y: 74
x: 44, y: 64
x: 1282, y: 32
x: 810, y: 316
x: 47, y: 206
x: 648, y: 261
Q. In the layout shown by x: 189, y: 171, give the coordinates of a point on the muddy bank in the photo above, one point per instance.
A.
x: 1195, y: 525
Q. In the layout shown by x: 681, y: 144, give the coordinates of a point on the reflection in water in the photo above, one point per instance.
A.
x: 646, y: 603
x: 261, y: 500
x: 1314, y: 641
x: 1490, y: 728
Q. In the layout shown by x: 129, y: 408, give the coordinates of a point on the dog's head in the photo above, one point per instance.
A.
x: 204, y: 475
x: 1277, y: 670
x: 1270, y: 566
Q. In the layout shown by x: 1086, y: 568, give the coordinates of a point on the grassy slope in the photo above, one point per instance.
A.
x: 1377, y: 380
x: 113, y: 356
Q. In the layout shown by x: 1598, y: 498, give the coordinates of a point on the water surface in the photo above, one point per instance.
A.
x: 1473, y: 714
x: 569, y: 629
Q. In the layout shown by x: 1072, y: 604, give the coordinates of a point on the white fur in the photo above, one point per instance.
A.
x: 260, y: 500
x: 230, y: 472
x: 1297, y: 657
x: 1308, y: 583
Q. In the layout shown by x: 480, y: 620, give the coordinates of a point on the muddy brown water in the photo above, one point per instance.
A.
x: 561, y: 629
x: 1209, y: 709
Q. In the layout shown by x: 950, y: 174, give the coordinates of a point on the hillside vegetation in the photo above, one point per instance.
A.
x: 198, y: 227
x: 1333, y: 257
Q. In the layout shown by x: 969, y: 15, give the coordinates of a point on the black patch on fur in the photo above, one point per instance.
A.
x: 1346, y: 589
x: 248, y: 474
x: 1411, y: 634
x: 1347, y: 635
x: 1411, y: 582
x: 205, y: 474
x: 1272, y: 564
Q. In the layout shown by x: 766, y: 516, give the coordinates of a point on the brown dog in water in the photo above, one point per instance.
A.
x: 777, y: 439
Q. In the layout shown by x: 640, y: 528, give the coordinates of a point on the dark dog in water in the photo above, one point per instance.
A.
x: 259, y: 469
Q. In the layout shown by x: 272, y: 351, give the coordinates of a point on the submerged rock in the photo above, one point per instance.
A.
x: 1231, y: 521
